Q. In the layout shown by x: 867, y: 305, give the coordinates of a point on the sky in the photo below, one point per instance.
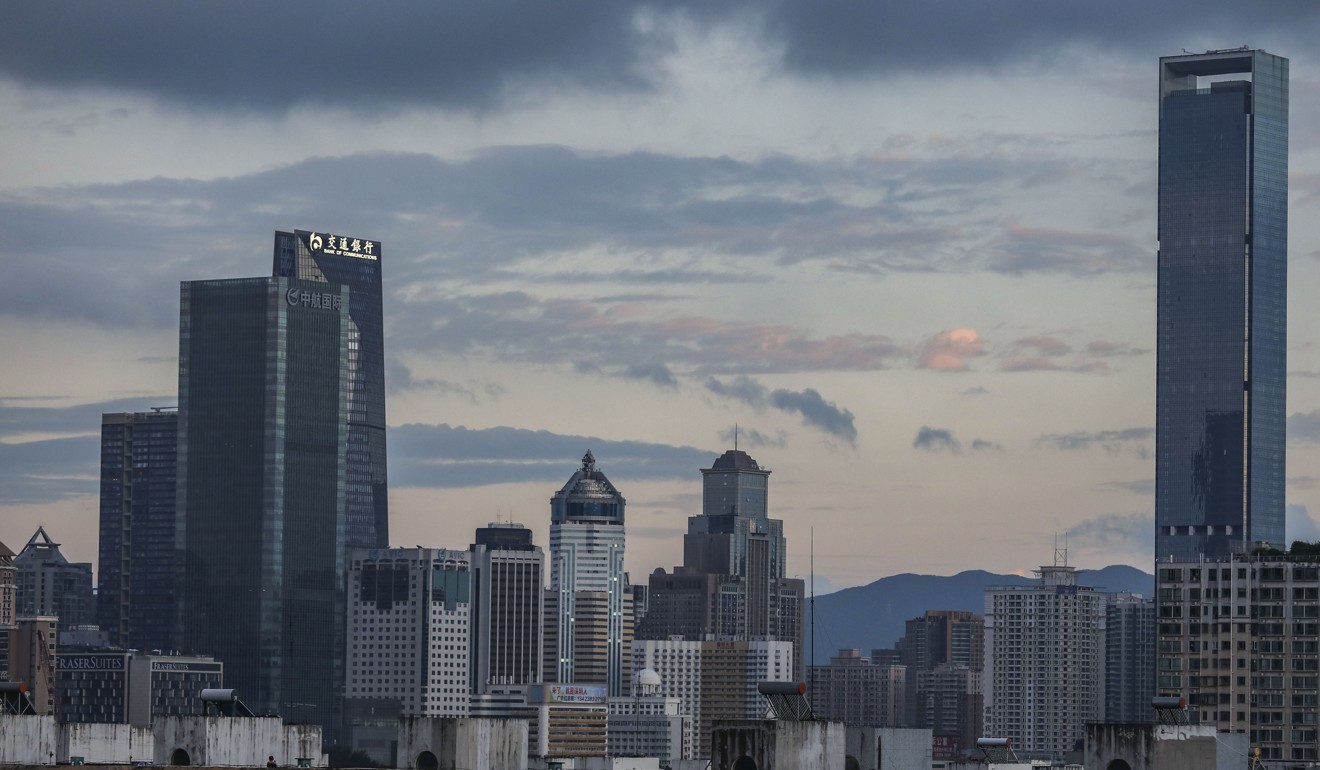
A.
x: 906, y: 251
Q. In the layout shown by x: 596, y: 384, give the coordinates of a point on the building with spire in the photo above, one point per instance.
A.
x: 732, y: 582
x: 589, y: 629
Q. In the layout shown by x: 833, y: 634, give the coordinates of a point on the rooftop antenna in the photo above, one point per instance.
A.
x: 811, y: 671
x: 1060, y: 554
x: 735, y: 437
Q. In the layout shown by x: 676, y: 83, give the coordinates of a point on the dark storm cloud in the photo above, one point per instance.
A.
x: 814, y: 410
x: 843, y: 38
x: 455, y: 456
x: 817, y: 412
x: 251, y: 55
x: 258, y: 56
x: 943, y: 440
x: 1132, y: 440
x: 936, y: 440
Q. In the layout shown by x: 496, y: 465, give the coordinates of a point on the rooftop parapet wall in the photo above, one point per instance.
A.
x: 203, y: 741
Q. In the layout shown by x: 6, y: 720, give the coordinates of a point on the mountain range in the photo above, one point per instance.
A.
x: 872, y: 616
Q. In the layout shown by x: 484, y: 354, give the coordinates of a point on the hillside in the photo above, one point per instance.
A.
x: 873, y: 615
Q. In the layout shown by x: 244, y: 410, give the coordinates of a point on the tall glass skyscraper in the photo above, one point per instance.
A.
x: 355, y: 263
x: 135, y: 590
x: 263, y: 404
x: 1222, y: 306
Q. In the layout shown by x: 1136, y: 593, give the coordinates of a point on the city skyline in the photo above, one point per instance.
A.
x: 918, y: 276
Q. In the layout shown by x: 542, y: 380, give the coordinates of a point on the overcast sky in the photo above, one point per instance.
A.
x: 908, y: 249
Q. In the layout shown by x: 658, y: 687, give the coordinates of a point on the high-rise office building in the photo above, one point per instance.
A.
x: 507, y: 620
x: 353, y: 263
x: 586, y: 566
x: 1129, y: 650
x: 51, y: 585
x: 731, y: 584
x: 408, y: 629
x: 263, y: 403
x: 135, y: 591
x: 1044, y: 662
x: 1222, y: 303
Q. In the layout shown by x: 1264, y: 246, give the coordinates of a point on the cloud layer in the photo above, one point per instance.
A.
x: 814, y: 410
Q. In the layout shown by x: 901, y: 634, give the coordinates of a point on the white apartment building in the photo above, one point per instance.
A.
x: 1044, y: 662
x: 408, y: 629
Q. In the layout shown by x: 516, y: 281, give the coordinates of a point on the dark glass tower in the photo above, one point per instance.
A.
x: 263, y: 402
x: 354, y: 263
x: 1222, y: 307
x: 135, y: 591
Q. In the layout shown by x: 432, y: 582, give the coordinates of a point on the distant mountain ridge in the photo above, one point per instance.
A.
x: 872, y: 616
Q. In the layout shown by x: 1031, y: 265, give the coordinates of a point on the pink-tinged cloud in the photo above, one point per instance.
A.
x: 950, y: 349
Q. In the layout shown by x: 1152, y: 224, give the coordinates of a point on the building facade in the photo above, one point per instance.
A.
x: 508, y: 622
x: 1240, y: 639
x: 354, y: 263
x: 853, y: 690
x: 647, y: 724
x: 408, y: 629
x: 571, y: 720
x: 714, y: 679
x: 1129, y: 650
x: 8, y: 587
x: 127, y: 687
x: 48, y: 584
x: 952, y: 641
x: 1222, y: 303
x: 1044, y: 662
x: 137, y: 569
x: 32, y: 644
x: 263, y: 402
x: 586, y: 568
x: 731, y: 584
x: 950, y: 702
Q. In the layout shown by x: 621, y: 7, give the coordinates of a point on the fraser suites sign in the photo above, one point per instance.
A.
x: 89, y: 662
x: 340, y: 245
